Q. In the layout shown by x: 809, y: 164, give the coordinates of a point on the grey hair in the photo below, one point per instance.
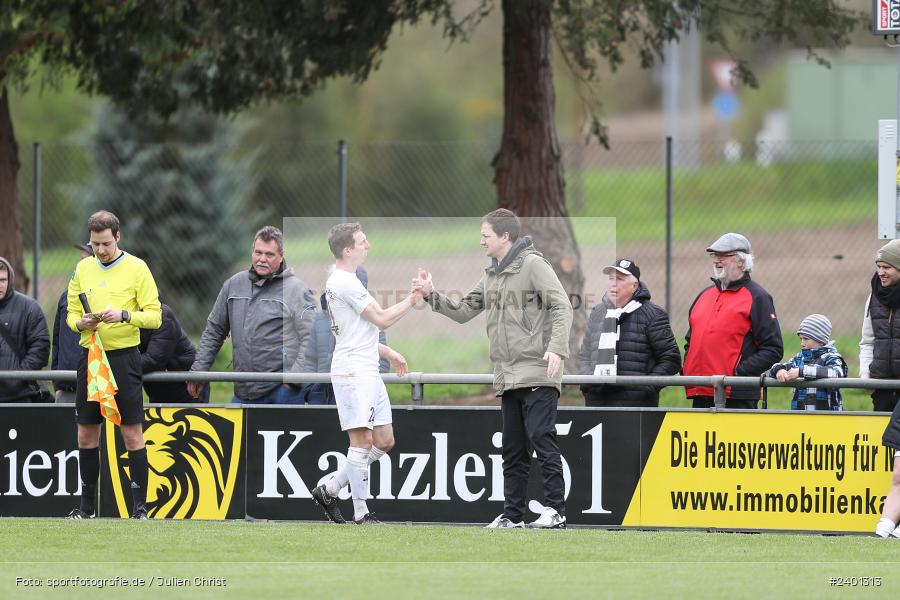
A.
x: 628, y: 277
x: 747, y: 257
x: 270, y: 233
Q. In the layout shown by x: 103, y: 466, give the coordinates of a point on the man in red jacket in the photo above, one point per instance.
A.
x: 732, y: 326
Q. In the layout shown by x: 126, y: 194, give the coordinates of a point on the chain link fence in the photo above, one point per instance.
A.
x: 809, y: 210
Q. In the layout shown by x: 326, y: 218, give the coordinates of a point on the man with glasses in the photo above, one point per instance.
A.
x: 732, y: 326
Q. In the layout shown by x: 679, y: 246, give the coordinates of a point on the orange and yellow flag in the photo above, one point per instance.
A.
x: 101, y: 384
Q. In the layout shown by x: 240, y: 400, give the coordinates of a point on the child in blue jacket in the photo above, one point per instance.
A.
x: 817, y: 359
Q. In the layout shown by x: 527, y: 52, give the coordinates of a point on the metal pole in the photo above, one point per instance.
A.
x: 671, y: 92
x: 719, y: 391
x: 342, y: 170
x: 897, y: 133
x: 418, y: 394
x: 36, y: 278
x: 669, y: 209
x: 417, y: 389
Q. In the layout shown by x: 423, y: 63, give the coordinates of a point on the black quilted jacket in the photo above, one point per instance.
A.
x: 646, y: 346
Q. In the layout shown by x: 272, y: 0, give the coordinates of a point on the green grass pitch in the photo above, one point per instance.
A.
x: 193, y: 559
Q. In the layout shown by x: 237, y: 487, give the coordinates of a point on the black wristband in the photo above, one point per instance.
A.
x: 126, y: 316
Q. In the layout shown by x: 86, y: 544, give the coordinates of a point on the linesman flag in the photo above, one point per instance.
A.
x: 101, y: 384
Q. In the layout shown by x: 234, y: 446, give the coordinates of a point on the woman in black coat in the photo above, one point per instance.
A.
x: 627, y: 335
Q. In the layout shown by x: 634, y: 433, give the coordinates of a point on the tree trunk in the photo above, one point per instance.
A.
x: 10, y: 223
x: 528, y: 168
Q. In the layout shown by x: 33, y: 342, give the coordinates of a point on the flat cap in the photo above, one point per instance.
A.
x: 731, y: 242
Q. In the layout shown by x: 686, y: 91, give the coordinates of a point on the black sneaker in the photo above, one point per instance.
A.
x: 368, y: 519
x: 329, y: 504
x: 77, y: 513
x: 140, y: 513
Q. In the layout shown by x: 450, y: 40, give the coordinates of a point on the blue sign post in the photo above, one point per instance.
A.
x: 726, y: 105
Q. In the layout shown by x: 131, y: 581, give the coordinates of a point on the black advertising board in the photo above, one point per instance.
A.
x: 38, y: 461
x: 740, y: 470
x: 446, y: 465
x: 886, y: 17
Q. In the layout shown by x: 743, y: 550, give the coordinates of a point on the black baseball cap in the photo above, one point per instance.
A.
x: 624, y: 266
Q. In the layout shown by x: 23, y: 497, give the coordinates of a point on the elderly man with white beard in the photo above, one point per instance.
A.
x: 732, y: 326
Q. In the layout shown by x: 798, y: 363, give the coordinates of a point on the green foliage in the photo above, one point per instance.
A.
x: 595, y: 29
x: 181, y: 200
x: 592, y: 31
x: 237, y: 53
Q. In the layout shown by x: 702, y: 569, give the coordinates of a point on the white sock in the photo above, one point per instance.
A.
x: 885, y: 527
x: 375, y: 454
x: 358, y: 471
x: 896, y: 532
x: 334, y: 485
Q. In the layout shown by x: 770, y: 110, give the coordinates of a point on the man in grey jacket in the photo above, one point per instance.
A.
x: 269, y: 313
x: 528, y: 317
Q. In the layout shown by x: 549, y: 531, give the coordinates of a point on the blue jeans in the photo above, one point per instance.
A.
x: 320, y: 393
x: 279, y: 395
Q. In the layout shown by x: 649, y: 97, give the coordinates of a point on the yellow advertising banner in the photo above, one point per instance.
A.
x: 826, y: 472
x: 193, y: 456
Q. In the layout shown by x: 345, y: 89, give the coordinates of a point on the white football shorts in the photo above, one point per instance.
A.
x: 362, y: 401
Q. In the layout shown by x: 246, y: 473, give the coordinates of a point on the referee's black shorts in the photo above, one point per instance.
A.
x: 126, y: 368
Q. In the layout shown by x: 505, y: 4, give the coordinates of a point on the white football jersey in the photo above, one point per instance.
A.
x: 356, y: 348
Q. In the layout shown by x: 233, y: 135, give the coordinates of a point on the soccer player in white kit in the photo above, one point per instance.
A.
x: 362, y: 400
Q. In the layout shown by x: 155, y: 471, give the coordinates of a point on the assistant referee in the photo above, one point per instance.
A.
x: 123, y: 298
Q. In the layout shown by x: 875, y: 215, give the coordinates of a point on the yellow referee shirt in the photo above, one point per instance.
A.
x: 124, y: 284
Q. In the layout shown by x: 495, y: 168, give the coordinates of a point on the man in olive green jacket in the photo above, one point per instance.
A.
x: 528, y: 321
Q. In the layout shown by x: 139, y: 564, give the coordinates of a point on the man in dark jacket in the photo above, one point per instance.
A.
x: 878, y: 358
x: 320, y: 349
x: 879, y: 347
x: 627, y: 335
x: 66, y: 343
x: 24, y: 339
x: 168, y: 349
x: 732, y: 326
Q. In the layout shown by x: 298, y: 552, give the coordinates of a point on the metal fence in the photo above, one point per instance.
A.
x: 809, y: 210
x: 417, y: 381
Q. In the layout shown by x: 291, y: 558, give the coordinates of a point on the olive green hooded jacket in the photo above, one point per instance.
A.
x: 528, y: 313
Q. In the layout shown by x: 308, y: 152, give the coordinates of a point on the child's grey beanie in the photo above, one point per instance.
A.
x: 816, y: 327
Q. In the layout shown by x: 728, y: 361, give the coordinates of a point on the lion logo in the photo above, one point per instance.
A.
x: 193, y: 456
